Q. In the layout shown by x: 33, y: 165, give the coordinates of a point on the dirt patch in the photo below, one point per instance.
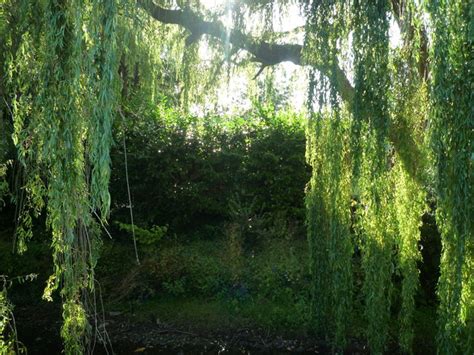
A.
x: 39, y: 329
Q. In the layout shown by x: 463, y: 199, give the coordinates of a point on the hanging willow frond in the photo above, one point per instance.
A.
x: 452, y: 140
x: 63, y: 106
x: 328, y: 198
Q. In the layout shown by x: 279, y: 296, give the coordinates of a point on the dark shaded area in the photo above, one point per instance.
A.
x: 230, y: 270
x: 431, y: 252
x: 185, y: 175
x: 40, y: 334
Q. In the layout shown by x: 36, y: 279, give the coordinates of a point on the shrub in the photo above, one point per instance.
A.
x: 184, y: 171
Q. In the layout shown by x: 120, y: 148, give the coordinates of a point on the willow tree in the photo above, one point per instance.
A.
x: 368, y: 144
x: 60, y: 82
x: 386, y: 126
x: 328, y: 198
x: 452, y: 118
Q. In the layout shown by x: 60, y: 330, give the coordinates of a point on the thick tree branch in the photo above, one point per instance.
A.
x: 263, y: 52
x: 271, y: 54
x: 266, y: 53
x: 398, y: 8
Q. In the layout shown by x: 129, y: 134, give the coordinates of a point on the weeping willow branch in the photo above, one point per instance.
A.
x: 262, y: 68
x: 265, y: 53
x: 271, y: 54
x: 62, y: 90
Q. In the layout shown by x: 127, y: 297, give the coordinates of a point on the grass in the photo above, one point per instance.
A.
x: 214, y: 285
x: 210, y: 315
x: 207, y: 286
x: 204, y: 314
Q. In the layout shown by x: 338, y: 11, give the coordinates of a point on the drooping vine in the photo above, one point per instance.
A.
x: 409, y: 205
x: 103, y: 81
x: 59, y: 64
x: 62, y: 117
x: 409, y: 106
x: 328, y: 216
x: 452, y: 138
x: 372, y: 171
x: 328, y: 197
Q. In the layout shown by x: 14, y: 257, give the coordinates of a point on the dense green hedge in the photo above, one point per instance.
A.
x: 188, y: 172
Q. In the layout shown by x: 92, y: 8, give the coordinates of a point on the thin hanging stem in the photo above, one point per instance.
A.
x: 130, y: 201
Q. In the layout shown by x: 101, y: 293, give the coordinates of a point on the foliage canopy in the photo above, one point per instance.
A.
x: 388, y: 126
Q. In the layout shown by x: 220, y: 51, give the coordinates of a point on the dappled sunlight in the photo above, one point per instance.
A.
x: 227, y: 176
